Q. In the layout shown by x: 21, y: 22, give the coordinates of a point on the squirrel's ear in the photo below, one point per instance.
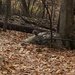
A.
x: 35, y: 32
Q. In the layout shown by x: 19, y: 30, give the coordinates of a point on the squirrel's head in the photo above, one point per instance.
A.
x: 35, y: 32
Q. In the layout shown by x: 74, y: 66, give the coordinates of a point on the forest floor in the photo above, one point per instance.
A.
x: 32, y: 59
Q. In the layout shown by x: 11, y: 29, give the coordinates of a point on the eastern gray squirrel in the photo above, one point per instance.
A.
x: 35, y: 32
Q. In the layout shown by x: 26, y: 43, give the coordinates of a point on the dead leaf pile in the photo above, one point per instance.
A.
x: 32, y: 59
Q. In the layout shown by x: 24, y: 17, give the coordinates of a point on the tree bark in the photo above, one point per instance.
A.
x: 7, y: 14
x: 25, y: 7
x: 67, y: 21
x: 0, y: 7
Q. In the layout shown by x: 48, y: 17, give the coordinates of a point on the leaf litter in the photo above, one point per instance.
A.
x: 32, y: 59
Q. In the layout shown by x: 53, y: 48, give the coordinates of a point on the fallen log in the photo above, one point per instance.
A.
x: 37, y: 24
x: 34, y: 23
x: 22, y: 28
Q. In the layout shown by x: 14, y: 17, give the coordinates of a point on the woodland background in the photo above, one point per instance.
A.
x: 18, y: 20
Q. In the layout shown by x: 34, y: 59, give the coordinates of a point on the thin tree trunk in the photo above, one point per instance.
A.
x: 7, y: 14
x: 50, y: 19
x: 0, y: 7
x: 25, y: 7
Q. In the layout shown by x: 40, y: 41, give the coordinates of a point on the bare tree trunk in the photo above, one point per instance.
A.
x: 33, y: 5
x: 66, y: 21
x: 50, y: 19
x: 7, y: 14
x: 43, y: 13
x: 0, y: 7
x: 25, y: 7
